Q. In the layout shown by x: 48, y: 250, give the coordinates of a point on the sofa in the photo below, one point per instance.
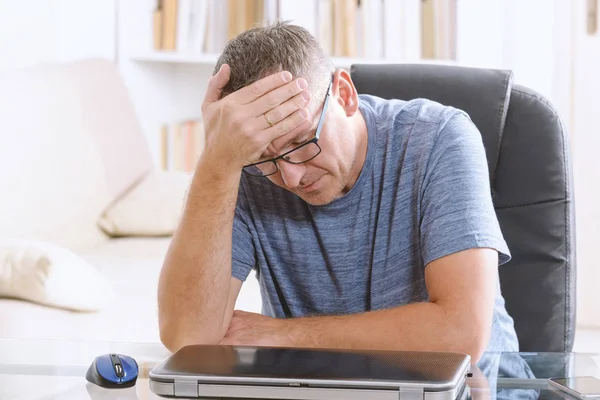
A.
x: 78, y: 179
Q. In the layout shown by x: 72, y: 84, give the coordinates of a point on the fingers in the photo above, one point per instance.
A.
x: 262, y: 86
x: 295, y: 90
x: 241, y: 114
x: 291, y: 116
x: 284, y: 110
x: 297, y: 122
x: 216, y: 84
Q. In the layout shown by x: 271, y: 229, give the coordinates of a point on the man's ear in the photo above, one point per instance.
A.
x: 345, y: 92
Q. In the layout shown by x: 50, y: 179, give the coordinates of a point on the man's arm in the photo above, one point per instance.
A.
x: 458, y: 316
x: 196, y: 291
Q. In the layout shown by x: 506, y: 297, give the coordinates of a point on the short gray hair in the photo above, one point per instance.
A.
x: 267, y: 49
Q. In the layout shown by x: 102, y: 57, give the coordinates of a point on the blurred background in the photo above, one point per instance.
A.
x: 165, y: 51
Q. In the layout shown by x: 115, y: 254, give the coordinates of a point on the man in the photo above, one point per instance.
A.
x: 369, y: 222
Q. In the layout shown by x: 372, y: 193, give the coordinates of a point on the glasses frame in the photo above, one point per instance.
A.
x: 313, y: 140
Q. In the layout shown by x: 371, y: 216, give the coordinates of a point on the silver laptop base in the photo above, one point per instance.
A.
x: 214, y: 391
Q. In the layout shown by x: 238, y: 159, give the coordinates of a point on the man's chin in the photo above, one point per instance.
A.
x: 318, y: 197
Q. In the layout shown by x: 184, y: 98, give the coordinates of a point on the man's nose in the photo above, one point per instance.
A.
x: 291, y: 174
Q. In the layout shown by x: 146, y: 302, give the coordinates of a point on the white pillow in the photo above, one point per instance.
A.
x: 47, y: 274
x: 152, y: 207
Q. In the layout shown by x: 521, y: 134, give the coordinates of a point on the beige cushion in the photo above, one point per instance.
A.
x: 51, y: 275
x: 152, y: 207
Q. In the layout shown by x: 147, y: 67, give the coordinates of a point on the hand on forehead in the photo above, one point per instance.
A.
x: 294, y: 138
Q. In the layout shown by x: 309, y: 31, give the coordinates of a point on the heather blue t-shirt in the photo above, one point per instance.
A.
x: 423, y: 193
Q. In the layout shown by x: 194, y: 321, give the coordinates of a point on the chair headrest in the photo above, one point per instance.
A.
x: 482, y: 93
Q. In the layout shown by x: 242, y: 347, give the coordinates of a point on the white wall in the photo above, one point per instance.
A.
x: 480, y: 29
x: 35, y: 31
x: 523, y: 36
x: 529, y: 47
x: 85, y: 28
x: 26, y: 32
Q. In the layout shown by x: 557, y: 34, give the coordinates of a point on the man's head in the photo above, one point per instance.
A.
x: 263, y: 51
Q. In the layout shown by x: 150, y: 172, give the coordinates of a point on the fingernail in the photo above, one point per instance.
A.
x: 305, y: 96
x: 301, y: 83
x: 303, y: 113
x: 286, y: 76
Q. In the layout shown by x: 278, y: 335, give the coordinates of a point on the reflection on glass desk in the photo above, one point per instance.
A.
x: 51, y: 369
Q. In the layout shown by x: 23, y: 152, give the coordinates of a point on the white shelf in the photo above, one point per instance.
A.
x: 343, y: 62
x: 176, y: 58
x: 211, y: 59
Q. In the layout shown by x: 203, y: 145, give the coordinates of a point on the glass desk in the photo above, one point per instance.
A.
x: 50, y: 370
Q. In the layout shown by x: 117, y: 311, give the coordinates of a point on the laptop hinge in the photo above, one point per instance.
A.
x: 411, y: 394
x: 186, y: 387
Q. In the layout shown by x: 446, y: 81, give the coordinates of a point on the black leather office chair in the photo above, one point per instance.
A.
x: 530, y: 174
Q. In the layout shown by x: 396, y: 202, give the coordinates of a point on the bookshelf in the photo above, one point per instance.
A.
x: 167, y: 85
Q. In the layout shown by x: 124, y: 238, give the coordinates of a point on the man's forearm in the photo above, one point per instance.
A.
x: 419, y: 326
x: 194, y: 284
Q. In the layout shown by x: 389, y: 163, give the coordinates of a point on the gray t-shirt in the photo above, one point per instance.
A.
x: 423, y: 193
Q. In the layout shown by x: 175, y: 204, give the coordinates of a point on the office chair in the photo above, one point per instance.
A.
x: 530, y: 175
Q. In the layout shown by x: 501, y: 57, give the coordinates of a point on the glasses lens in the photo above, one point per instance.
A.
x: 262, y: 169
x: 303, y: 154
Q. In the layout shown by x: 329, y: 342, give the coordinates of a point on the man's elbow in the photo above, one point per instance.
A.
x: 475, y: 350
x: 170, y: 340
x: 174, y: 338
x: 473, y: 340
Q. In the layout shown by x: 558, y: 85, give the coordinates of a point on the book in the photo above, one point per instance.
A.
x: 157, y: 26
x: 169, y: 25
x: 181, y: 145
x: 164, y: 147
x: 217, y: 26
x: 184, y: 25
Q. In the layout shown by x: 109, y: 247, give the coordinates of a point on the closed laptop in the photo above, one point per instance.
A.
x: 217, y: 371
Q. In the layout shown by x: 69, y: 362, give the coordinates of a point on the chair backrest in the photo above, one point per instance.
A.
x: 530, y: 173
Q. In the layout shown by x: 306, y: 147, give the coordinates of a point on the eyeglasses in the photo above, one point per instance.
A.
x: 299, y: 155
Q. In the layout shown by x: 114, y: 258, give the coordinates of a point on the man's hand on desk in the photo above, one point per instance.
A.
x: 250, y: 329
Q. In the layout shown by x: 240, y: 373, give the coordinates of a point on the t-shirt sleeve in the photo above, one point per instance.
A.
x: 242, y: 253
x: 457, y: 212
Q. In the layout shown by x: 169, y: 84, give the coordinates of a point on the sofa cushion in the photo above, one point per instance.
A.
x: 51, y: 275
x: 70, y: 143
x: 152, y: 207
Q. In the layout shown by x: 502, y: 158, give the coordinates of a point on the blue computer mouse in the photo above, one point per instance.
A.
x: 113, y: 371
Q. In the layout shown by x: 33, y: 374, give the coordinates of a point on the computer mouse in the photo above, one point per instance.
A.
x: 113, y: 371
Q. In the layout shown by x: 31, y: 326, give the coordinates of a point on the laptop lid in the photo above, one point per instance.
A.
x: 275, y: 372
